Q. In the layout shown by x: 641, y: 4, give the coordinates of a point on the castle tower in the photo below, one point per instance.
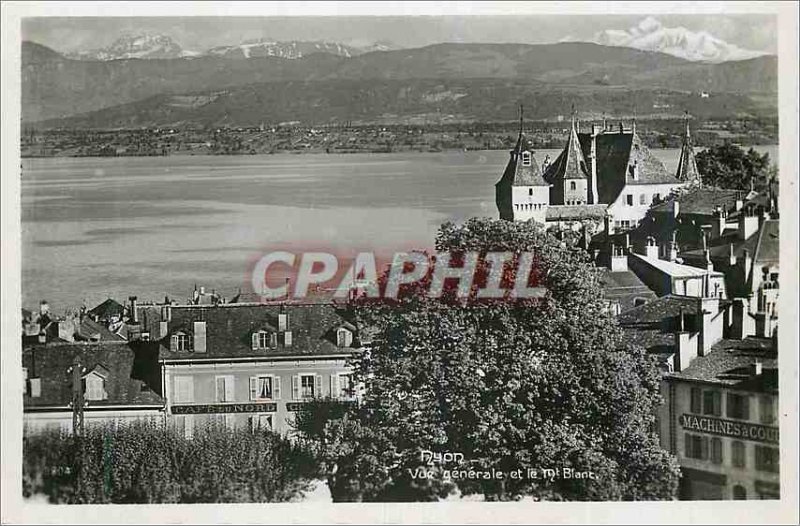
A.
x: 569, y: 174
x: 521, y: 194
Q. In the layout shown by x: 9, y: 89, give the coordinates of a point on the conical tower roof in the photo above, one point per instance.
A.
x: 687, y: 166
x: 571, y: 163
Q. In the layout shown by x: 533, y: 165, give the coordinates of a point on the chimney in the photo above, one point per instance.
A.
x: 685, y: 351
x: 593, y: 196
x: 676, y: 208
x: 134, y: 316
x: 44, y: 308
x: 718, y: 225
x: 709, y: 309
x: 671, y: 251
x: 609, y: 223
x: 731, y: 256
x: 763, y: 216
x: 739, y: 204
x: 709, y: 264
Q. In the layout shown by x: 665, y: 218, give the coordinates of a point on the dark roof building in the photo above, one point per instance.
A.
x: 687, y: 165
x: 107, y: 310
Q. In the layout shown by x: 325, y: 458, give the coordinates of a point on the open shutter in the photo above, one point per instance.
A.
x: 253, y: 387
x: 295, y: 387
x: 273, y: 339
x: 334, y: 386
x: 254, y: 340
x: 173, y: 343
x: 276, y: 387
x: 230, y: 395
x: 199, y: 336
x: 317, y: 385
x: 287, y: 338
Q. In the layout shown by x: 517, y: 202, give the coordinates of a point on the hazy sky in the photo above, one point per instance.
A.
x: 751, y: 31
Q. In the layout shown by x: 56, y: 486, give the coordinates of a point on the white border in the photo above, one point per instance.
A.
x: 14, y: 510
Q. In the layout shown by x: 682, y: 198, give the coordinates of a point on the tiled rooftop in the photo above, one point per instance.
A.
x: 729, y: 363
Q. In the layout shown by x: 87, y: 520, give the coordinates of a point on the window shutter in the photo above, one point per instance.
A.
x: 173, y: 343
x: 276, y: 387
x: 283, y: 322
x: 295, y: 387
x: 230, y: 395
x: 287, y: 338
x: 334, y: 386
x: 163, y: 329
x: 36, y: 387
x: 317, y: 386
x: 254, y: 340
x: 745, y: 407
x: 199, y: 336
x: 687, y: 445
x: 253, y: 387
x: 273, y: 339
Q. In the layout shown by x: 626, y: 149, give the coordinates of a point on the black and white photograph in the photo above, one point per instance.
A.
x: 463, y: 261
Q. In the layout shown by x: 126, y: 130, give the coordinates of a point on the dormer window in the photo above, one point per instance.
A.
x: 344, y: 338
x: 94, y: 384
x: 264, y: 340
x: 572, y: 185
x: 180, y: 342
x: 526, y: 158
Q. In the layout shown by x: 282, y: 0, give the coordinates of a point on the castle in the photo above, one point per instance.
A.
x: 606, y: 174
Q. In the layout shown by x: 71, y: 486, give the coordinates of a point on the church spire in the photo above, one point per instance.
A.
x: 687, y: 166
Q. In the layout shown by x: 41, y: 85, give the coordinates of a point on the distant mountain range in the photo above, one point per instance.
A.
x: 470, y: 81
x: 155, y: 46
x: 651, y: 35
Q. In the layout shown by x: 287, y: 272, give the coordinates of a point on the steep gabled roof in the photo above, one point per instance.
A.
x: 516, y: 173
x: 700, y: 200
x: 122, y: 369
x: 108, y: 309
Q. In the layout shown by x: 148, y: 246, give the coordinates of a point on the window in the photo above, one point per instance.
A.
x: 265, y: 387
x: 767, y: 410
x: 638, y: 302
x: 344, y: 338
x: 738, y: 406
x: 629, y: 199
x: 696, y: 400
x: 712, y: 403
x: 283, y: 322
x: 696, y: 446
x: 572, y: 185
x: 224, y: 389
x: 25, y: 380
x: 739, y: 493
x: 530, y: 191
x: 738, y: 454
x: 716, y: 450
x: 642, y: 199
x: 342, y: 385
x: 180, y: 342
x: 287, y: 339
x: 184, y: 425
x: 184, y: 389
x: 656, y: 197
x: 767, y: 459
x: 306, y: 386
x: 526, y: 158
x: 262, y: 422
x: 264, y: 340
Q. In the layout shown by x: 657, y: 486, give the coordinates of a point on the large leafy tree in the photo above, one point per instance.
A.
x: 510, y: 384
x: 729, y: 166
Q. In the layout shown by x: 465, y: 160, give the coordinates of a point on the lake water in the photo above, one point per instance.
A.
x: 94, y: 228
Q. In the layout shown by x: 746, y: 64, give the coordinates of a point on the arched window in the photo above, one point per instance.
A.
x: 526, y: 158
x: 572, y: 185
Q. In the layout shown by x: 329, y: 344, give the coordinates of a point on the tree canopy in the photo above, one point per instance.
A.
x: 729, y: 166
x: 513, y: 386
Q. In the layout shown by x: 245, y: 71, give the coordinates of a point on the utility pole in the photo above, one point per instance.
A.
x: 77, y: 396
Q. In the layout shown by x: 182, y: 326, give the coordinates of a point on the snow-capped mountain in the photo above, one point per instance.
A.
x: 651, y: 35
x: 149, y: 46
x: 291, y: 49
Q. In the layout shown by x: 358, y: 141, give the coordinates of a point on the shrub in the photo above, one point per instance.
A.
x: 146, y: 462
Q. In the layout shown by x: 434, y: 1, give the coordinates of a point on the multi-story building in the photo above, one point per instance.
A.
x: 249, y: 364
x: 607, y: 172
